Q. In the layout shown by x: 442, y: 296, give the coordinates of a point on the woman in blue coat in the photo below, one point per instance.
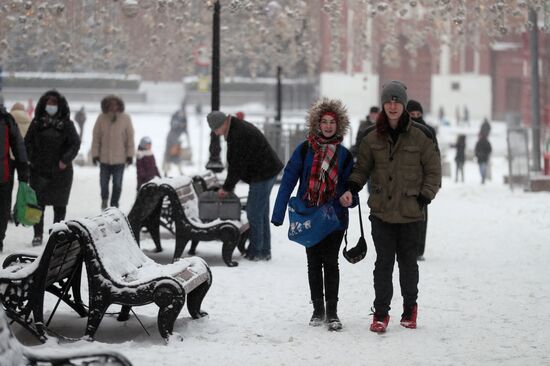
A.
x: 322, y: 165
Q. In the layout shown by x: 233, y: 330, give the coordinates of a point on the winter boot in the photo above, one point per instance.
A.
x: 333, y: 322
x: 379, y: 323
x: 408, y: 319
x: 37, y: 241
x: 103, y: 204
x: 318, y: 316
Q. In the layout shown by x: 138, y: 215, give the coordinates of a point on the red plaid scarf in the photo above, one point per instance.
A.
x: 324, y: 170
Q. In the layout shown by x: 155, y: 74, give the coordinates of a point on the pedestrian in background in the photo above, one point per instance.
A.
x: 404, y: 166
x: 146, y: 165
x: 80, y: 118
x: 10, y: 140
x: 460, y: 157
x: 369, y: 121
x: 173, y: 153
x: 322, y: 166
x: 52, y: 144
x: 251, y: 159
x: 483, y: 151
x: 416, y: 112
x: 112, y: 147
x: 23, y: 122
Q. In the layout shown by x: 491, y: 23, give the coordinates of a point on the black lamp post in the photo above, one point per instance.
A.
x: 535, y: 105
x: 214, y: 161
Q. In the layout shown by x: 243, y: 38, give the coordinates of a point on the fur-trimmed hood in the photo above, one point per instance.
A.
x: 107, y: 100
x: 327, y: 105
x: 63, y: 113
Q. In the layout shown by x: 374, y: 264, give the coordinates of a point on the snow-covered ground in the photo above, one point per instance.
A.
x: 484, y: 286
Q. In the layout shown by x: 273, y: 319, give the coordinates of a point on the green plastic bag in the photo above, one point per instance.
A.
x: 26, y: 210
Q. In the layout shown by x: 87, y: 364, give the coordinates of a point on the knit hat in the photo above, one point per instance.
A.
x: 394, y: 91
x: 144, y: 142
x: 216, y: 119
x: 374, y: 109
x: 413, y: 105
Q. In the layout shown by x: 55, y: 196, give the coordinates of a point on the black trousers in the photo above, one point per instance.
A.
x: 323, y: 257
x: 395, y: 241
x: 423, y: 230
x: 58, y: 215
x: 5, y: 202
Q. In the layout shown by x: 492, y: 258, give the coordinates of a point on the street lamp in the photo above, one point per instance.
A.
x: 215, y: 162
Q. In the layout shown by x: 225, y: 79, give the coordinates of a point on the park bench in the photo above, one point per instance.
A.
x: 119, y: 273
x: 25, y: 278
x: 13, y: 353
x: 173, y: 204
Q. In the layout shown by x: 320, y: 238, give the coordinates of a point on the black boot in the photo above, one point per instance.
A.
x: 318, y: 316
x: 332, y: 317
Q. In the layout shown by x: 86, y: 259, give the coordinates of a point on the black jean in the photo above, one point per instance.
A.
x: 423, y: 230
x: 5, y: 201
x: 323, y: 257
x: 105, y: 173
x: 58, y: 215
x: 391, y: 241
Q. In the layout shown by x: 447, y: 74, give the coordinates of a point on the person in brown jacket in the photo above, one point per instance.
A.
x: 402, y: 161
x: 112, y: 147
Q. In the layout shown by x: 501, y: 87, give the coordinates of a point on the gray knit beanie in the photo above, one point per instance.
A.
x: 215, y: 119
x: 394, y: 90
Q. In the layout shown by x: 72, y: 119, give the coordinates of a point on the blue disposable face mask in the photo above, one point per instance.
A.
x: 51, y: 109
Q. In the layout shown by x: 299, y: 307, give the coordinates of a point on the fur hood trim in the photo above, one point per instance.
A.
x: 327, y: 105
x: 108, y: 99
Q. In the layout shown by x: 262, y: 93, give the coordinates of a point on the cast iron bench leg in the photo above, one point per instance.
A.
x: 194, y: 300
x: 193, y: 249
x: 96, y: 312
x: 170, y: 306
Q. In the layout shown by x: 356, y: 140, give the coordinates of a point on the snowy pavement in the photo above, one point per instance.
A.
x: 484, y: 290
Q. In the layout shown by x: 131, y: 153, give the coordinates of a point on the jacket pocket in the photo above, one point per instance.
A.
x: 409, y: 206
x: 411, y: 155
x: 375, y: 200
x: 379, y: 153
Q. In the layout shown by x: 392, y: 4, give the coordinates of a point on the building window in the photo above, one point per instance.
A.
x: 455, y: 85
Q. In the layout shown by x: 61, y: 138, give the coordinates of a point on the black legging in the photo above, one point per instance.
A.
x: 58, y: 215
x: 324, y: 256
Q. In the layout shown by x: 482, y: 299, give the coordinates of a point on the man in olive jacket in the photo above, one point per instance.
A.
x: 251, y: 159
x: 404, y: 166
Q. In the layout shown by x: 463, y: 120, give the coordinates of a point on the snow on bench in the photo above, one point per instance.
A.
x: 173, y: 203
x: 25, y: 278
x: 119, y: 273
x: 13, y: 353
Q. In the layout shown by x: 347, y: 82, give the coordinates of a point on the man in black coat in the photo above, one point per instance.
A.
x: 251, y: 159
x: 415, y: 111
x: 363, y: 126
x: 10, y: 138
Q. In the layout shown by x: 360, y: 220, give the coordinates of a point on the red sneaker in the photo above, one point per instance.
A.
x: 379, y: 324
x: 408, y: 319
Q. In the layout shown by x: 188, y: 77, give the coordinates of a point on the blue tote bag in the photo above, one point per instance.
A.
x: 310, y: 225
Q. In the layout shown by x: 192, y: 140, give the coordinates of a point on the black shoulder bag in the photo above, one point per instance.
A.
x: 358, y: 252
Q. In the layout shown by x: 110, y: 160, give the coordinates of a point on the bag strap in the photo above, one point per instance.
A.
x: 360, y: 223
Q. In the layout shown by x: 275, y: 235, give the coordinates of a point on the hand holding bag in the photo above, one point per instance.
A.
x: 357, y: 253
x: 26, y: 209
x: 310, y: 225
